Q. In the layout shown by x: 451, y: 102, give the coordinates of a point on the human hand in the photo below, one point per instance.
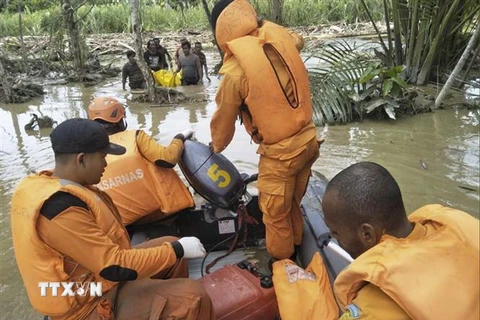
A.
x: 192, y: 247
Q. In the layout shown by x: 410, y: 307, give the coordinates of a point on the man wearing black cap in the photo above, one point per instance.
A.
x: 68, y: 236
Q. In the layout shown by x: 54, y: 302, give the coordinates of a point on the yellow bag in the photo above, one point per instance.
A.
x: 166, y: 78
x: 304, y: 294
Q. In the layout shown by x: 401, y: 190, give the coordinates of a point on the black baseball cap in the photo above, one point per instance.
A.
x: 79, y: 135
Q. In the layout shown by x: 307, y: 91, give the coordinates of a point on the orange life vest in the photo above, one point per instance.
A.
x: 436, y: 277
x: 139, y: 187
x: 304, y: 294
x: 37, y: 262
x: 268, y: 115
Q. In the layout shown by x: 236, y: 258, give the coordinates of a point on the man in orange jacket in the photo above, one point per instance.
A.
x: 66, y: 231
x: 265, y: 84
x: 424, y: 266
x: 142, y: 182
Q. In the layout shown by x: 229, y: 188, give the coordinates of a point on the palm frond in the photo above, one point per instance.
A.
x: 335, y: 80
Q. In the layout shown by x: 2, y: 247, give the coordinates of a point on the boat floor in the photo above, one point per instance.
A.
x: 256, y: 255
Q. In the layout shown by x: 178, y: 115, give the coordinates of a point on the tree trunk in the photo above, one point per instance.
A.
x: 74, y: 34
x: 389, y: 32
x: 397, y: 27
x: 276, y: 9
x: 20, y: 33
x: 463, y: 59
x: 412, y: 34
x: 209, y: 17
x: 465, y: 75
x: 375, y: 27
x: 436, y: 44
x: 207, y: 11
x: 137, y: 36
x: 5, y: 84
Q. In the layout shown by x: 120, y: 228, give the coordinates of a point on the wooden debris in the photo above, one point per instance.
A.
x: 468, y: 188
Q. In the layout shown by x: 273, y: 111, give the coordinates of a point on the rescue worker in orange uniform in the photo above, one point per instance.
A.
x: 424, y: 266
x: 142, y: 182
x: 66, y: 230
x: 265, y: 84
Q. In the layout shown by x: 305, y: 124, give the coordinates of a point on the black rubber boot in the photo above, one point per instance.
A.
x: 293, y: 257
x: 270, y: 264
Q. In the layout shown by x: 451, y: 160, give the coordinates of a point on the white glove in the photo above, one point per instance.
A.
x: 187, y: 133
x: 192, y: 247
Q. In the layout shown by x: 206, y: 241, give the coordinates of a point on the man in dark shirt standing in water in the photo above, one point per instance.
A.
x: 152, y: 57
x: 164, y: 53
x: 197, y: 49
x: 132, y: 71
x: 190, y: 65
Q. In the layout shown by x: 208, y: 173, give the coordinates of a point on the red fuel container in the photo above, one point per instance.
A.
x: 237, y: 295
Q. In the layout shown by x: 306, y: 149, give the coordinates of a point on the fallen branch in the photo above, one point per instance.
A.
x: 126, y: 46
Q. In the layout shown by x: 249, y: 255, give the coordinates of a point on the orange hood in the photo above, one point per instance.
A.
x: 237, y: 20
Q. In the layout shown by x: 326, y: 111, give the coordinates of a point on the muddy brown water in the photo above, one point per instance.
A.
x: 430, y: 155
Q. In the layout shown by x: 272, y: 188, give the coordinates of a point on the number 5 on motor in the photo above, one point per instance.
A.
x: 214, y: 173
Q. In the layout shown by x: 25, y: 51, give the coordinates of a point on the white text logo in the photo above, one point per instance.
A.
x: 115, y: 182
x: 71, y: 289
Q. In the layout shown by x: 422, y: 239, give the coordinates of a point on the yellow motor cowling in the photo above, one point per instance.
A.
x: 212, y: 175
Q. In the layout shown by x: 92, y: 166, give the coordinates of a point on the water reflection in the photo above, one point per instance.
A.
x: 446, y: 141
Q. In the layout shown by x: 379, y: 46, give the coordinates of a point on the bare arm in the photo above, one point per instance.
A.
x: 145, y: 57
x: 168, y: 55
x: 179, y: 66
x: 206, y: 70
x: 199, y: 68
x: 124, y: 76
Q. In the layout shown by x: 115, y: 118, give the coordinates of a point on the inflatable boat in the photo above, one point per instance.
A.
x: 229, y: 224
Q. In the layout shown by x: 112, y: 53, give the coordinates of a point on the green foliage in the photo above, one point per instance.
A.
x: 348, y: 83
x: 107, y: 19
x: 30, y: 5
x: 110, y: 16
x: 388, y: 79
x: 315, y: 12
x: 430, y: 35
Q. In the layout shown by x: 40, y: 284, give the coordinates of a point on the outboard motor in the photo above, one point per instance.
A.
x: 212, y: 175
x: 217, y: 221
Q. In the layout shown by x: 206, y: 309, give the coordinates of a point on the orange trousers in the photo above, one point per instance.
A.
x: 284, y: 181
x: 167, y: 295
